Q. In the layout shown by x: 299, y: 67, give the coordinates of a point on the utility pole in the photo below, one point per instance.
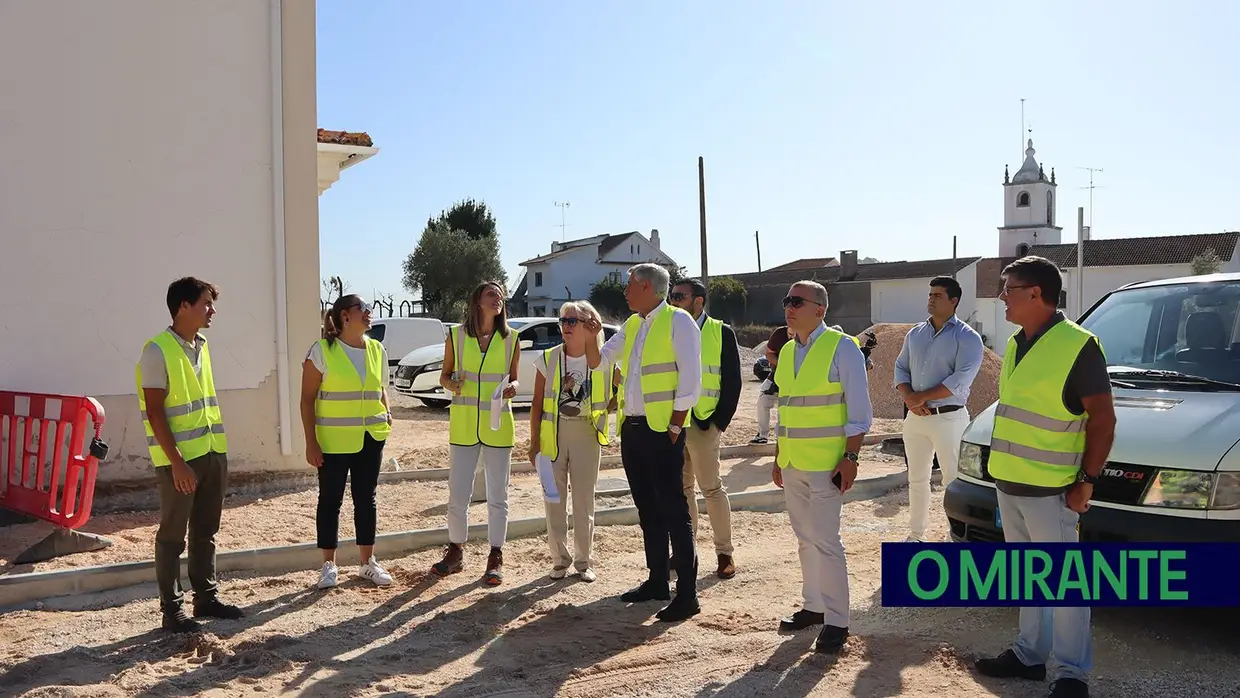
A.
x: 1091, y: 189
x: 758, y: 244
x: 702, y: 218
x: 954, y: 253
x: 1080, y: 261
x: 563, y: 207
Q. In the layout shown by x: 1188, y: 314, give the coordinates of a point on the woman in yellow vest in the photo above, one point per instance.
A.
x: 480, y: 361
x: 568, y: 424
x: 344, y: 411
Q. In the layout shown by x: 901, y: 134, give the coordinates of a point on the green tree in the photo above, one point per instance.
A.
x: 1208, y: 262
x: 727, y: 298
x: 446, y: 266
x: 608, y: 296
x: 470, y: 216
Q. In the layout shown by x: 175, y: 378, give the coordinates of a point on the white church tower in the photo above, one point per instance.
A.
x: 1028, y: 208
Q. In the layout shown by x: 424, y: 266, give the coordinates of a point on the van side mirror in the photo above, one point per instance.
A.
x: 526, y: 344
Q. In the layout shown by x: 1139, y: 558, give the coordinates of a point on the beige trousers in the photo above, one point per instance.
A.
x: 702, y: 465
x: 576, y: 465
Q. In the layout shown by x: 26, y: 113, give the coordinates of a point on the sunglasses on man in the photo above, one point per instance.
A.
x: 797, y: 301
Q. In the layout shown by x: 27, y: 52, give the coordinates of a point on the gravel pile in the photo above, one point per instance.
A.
x: 886, y: 399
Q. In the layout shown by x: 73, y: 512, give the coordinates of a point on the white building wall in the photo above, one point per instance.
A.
x: 139, y: 141
x: 904, y: 300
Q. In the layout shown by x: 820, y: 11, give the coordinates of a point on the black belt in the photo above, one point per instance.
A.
x: 944, y: 409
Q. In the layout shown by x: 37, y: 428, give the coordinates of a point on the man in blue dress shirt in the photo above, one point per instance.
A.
x: 934, y: 372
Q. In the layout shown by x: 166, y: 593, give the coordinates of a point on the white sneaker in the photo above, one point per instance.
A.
x: 558, y: 572
x: 587, y: 575
x: 327, y: 575
x: 372, y: 571
x: 913, y: 539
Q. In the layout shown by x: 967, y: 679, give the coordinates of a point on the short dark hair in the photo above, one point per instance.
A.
x: 1040, y: 272
x: 948, y: 284
x: 189, y: 290
x: 699, y: 288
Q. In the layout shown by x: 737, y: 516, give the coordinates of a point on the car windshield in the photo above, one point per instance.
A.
x: 1191, y: 329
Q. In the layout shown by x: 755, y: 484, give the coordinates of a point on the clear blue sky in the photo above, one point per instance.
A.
x: 877, y: 126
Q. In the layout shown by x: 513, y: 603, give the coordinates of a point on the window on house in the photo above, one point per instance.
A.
x: 1022, y: 250
x: 1022, y: 199
x: 1063, y: 299
x: 614, y: 276
x: 538, y: 278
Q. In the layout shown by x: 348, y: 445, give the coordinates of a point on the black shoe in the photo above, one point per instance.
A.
x: 800, y: 620
x: 213, y: 608
x: 1069, y: 688
x: 681, y: 608
x: 178, y: 621
x: 830, y: 639
x: 1007, y: 666
x: 648, y: 591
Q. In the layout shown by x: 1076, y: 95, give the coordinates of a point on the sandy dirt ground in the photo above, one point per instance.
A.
x: 283, y: 512
x: 538, y: 637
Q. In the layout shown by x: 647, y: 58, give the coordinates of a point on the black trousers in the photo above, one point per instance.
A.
x: 364, y: 484
x: 655, y: 470
x: 199, y: 513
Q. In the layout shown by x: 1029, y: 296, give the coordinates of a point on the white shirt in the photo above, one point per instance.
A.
x: 687, y: 345
x: 356, y: 356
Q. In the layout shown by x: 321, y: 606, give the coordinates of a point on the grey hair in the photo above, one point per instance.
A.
x: 820, y: 291
x: 657, y: 275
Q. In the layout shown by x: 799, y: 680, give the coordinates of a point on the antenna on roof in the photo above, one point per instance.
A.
x: 1091, y: 189
x: 563, y: 224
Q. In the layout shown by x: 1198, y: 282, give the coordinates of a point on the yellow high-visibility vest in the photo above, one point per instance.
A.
x: 1036, y: 440
x: 190, y: 405
x: 600, y: 395
x: 469, y: 418
x: 712, y: 368
x: 348, y: 406
x: 812, y: 413
x: 659, y: 373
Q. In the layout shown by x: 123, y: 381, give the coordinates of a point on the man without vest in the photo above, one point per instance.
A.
x: 824, y: 413
x: 721, y: 391
x: 185, y: 436
x: 1053, y: 429
x: 659, y: 353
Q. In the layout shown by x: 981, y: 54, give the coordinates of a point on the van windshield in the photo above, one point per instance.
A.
x: 1191, y: 329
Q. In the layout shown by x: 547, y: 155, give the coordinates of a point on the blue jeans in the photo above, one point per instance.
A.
x: 1045, y: 633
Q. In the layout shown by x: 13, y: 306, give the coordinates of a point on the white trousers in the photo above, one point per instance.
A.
x: 498, y: 469
x: 924, y: 438
x: 814, y: 505
x: 766, y: 403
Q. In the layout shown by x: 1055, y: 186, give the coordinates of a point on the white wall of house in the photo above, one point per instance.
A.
x: 904, y: 300
x: 570, y: 274
x: 144, y: 133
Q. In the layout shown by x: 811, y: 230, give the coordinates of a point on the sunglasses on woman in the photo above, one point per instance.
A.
x: 569, y: 321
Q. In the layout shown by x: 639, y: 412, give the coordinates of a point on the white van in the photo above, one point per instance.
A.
x: 1173, y: 352
x: 401, y: 335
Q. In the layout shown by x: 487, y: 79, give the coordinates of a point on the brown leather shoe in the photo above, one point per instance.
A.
x: 727, y: 568
x: 495, y: 567
x: 453, y: 561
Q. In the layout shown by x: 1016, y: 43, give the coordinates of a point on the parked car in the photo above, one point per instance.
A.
x: 1173, y: 475
x: 400, y: 335
x: 417, y: 374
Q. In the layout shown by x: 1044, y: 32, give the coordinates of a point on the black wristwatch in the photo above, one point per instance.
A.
x: 1082, y: 476
x: 852, y: 456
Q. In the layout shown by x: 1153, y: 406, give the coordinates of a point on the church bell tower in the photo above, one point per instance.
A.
x: 1029, y: 200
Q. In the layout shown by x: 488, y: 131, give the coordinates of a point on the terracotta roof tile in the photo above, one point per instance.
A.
x: 807, y: 263
x: 881, y: 271
x: 345, y: 138
x: 1124, y: 252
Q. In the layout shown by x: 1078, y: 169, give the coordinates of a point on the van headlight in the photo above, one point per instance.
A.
x: 970, y: 462
x: 438, y: 365
x: 1185, y: 489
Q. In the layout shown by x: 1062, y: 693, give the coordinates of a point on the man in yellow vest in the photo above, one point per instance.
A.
x: 1053, y: 429
x: 721, y: 391
x: 659, y: 353
x: 186, y: 440
x: 824, y: 413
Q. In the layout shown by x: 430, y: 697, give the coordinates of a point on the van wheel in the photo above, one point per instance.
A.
x: 437, y: 404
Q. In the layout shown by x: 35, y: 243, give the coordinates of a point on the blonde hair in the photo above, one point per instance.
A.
x: 583, y: 310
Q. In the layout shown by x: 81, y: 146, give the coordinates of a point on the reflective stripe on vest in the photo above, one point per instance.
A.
x: 1036, y: 440
x: 712, y: 368
x: 190, y: 406
x: 343, y: 414
x: 600, y: 395
x: 658, y: 366
x: 469, y: 417
x: 812, y: 413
